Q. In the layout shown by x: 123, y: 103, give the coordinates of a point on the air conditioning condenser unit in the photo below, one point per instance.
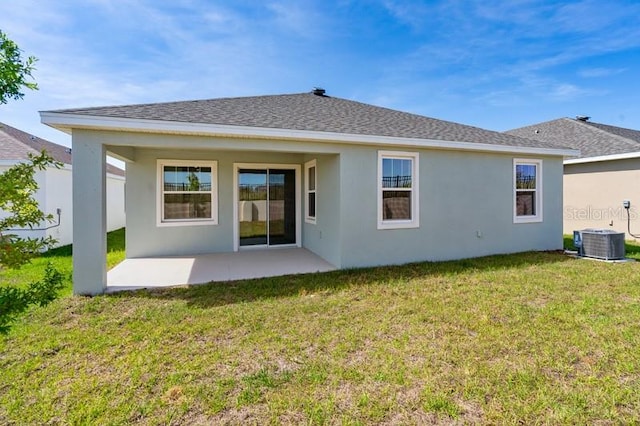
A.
x: 600, y: 243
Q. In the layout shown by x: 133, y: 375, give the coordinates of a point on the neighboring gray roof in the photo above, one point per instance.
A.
x: 16, y: 145
x: 309, y: 112
x: 592, y: 139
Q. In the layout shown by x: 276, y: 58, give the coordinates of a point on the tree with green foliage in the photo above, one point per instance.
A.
x: 18, y: 187
x: 14, y: 72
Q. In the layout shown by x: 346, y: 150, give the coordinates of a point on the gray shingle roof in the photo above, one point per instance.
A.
x: 16, y: 145
x: 592, y: 139
x: 309, y: 112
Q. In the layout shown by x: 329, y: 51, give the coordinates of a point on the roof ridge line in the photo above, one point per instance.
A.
x: 604, y: 132
x: 183, y: 101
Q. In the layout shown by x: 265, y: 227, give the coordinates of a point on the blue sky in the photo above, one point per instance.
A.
x: 487, y: 63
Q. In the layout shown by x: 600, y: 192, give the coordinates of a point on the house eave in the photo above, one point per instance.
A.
x: 13, y: 162
x: 66, y: 122
x: 613, y: 157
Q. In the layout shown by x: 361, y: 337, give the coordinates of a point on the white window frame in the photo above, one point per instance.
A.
x: 213, y: 220
x: 414, y: 222
x: 538, y: 191
x: 307, y: 167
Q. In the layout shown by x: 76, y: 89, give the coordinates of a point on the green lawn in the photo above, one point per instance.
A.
x: 259, y: 228
x: 528, y: 338
x: 61, y: 258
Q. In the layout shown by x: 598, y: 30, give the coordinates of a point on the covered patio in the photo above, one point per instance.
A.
x: 157, y: 272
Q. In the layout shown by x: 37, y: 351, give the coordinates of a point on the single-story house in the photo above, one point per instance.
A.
x: 355, y: 184
x: 601, y: 178
x: 55, y: 185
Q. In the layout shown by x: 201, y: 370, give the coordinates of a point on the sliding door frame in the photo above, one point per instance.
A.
x: 236, y: 198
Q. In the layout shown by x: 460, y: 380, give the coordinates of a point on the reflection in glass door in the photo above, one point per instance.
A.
x: 266, y: 207
x: 282, y: 207
x: 252, y: 208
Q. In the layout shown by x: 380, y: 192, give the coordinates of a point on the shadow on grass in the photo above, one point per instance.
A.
x: 243, y: 291
x: 632, y: 250
x: 115, y: 242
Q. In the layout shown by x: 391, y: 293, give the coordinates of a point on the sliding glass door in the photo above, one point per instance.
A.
x: 252, y: 207
x: 266, y: 206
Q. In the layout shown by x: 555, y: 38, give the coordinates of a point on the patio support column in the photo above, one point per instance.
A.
x: 89, y: 217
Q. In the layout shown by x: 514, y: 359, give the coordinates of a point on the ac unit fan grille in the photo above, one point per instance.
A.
x: 603, y: 245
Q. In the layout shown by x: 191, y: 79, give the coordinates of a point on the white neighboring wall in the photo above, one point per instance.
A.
x: 39, y: 196
x: 115, y: 202
x: 55, y: 192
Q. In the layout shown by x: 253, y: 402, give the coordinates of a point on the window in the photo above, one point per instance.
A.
x: 187, y: 192
x: 397, y: 190
x: 527, y: 182
x: 311, y: 179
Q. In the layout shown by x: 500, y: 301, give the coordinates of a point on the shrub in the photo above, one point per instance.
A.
x: 14, y: 301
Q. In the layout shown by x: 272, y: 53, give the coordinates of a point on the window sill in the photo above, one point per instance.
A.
x: 527, y: 219
x: 398, y: 225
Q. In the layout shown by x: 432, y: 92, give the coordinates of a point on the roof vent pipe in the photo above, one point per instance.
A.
x: 582, y: 117
x: 318, y: 91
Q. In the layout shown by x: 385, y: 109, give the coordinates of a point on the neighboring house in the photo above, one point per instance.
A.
x: 356, y: 184
x: 55, y: 185
x: 606, y: 173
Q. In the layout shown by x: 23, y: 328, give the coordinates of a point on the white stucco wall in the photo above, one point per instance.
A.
x: 466, y: 200
x: 116, y: 217
x: 41, y: 180
x: 55, y: 192
x: 466, y: 205
x: 57, y: 195
x: 466, y: 209
x: 145, y: 238
x: 323, y: 237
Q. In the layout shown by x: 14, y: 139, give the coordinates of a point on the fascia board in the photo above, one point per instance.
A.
x: 613, y: 157
x: 65, y: 122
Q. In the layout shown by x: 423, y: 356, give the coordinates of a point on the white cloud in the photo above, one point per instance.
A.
x: 491, y: 53
x: 409, y: 13
x: 297, y: 18
x: 588, y: 16
x: 566, y: 91
x: 600, y: 72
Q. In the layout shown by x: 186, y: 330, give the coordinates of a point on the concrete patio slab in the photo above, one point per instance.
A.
x: 133, y: 274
